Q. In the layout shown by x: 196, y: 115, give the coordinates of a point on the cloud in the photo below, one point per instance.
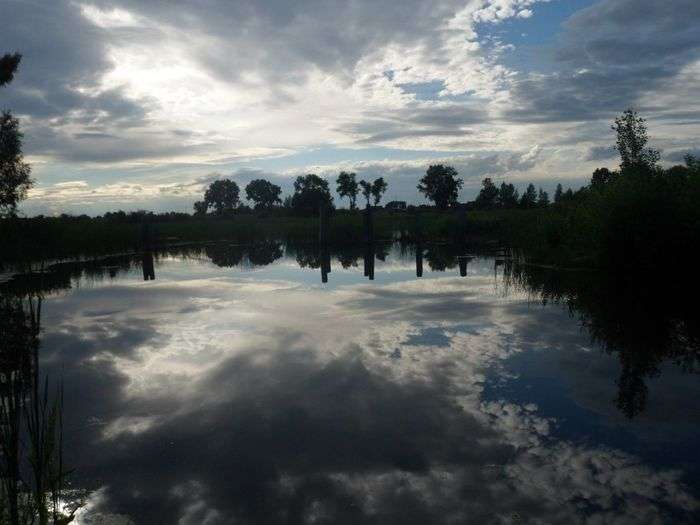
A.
x: 611, y: 54
x: 600, y: 153
x: 145, y: 87
x: 679, y: 156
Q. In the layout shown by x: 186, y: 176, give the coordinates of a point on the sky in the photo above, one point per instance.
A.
x: 139, y: 105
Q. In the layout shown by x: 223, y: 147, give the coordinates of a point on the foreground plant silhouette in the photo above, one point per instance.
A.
x: 32, y: 473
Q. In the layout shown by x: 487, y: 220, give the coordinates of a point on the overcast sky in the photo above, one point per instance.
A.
x: 132, y: 104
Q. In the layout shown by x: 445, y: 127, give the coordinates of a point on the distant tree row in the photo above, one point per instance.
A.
x: 440, y: 185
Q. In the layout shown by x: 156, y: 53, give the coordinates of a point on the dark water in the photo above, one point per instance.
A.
x: 224, y: 384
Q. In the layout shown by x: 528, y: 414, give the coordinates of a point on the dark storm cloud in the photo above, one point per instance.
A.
x: 608, y: 56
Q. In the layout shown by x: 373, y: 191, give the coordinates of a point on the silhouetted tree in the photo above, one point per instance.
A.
x: 631, y: 142
x: 263, y: 193
x: 366, y: 190
x: 488, y: 196
x: 558, y: 193
x: 441, y: 185
x: 222, y: 195
x: 8, y: 66
x: 529, y: 198
x: 200, y: 208
x: 346, y: 186
x: 373, y: 190
x: 507, y: 195
x: 601, y: 176
x: 310, y: 192
x: 542, y: 198
x: 15, y: 174
x: 15, y: 177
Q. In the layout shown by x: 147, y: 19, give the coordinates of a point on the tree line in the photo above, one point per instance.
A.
x: 440, y: 185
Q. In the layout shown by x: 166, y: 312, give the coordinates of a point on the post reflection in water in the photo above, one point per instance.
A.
x: 369, y: 260
x: 149, y: 273
x: 419, y: 260
x: 439, y: 400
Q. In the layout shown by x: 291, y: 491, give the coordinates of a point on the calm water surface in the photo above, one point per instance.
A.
x: 232, y: 385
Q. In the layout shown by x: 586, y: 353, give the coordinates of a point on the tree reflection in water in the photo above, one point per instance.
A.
x: 644, y: 321
x: 327, y: 428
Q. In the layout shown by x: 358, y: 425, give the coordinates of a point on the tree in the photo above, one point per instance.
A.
x: 529, y: 198
x: 558, y: 193
x: 310, y: 193
x: 631, y: 142
x: 15, y: 174
x: 366, y: 190
x: 488, y: 196
x: 507, y: 196
x: 8, y: 66
x: 263, y: 193
x: 346, y: 186
x: 200, y: 208
x: 601, y: 176
x: 378, y: 188
x: 222, y: 195
x: 542, y: 198
x: 441, y: 185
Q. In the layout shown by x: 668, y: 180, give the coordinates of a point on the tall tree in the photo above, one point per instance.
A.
x: 529, y: 198
x: 346, y: 186
x: 263, y: 193
x: 558, y: 193
x: 632, y: 139
x: 366, y: 190
x: 222, y: 195
x: 379, y: 186
x: 507, y: 196
x: 310, y: 193
x: 488, y: 195
x: 15, y: 174
x: 542, y: 198
x: 441, y: 185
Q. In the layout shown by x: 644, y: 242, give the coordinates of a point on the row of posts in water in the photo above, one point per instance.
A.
x: 369, y: 254
x: 369, y: 257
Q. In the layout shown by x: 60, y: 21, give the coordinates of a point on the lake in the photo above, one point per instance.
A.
x: 287, y: 384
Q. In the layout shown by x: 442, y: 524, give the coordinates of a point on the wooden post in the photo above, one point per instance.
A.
x: 368, y: 224
x: 322, y: 224
x: 146, y: 237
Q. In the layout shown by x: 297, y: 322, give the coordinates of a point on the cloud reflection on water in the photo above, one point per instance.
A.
x: 222, y: 399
